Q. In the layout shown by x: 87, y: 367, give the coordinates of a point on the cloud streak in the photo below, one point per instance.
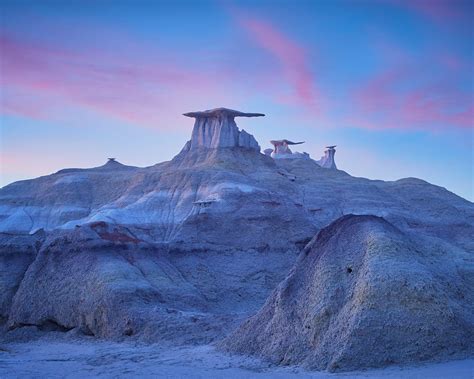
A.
x: 140, y: 84
x: 39, y: 80
x: 291, y: 57
x: 406, y: 97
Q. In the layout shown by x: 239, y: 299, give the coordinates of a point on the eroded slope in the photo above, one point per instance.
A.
x: 361, y: 295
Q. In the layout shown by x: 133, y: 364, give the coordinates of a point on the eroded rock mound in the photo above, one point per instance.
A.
x: 104, y: 280
x: 185, y: 250
x: 100, y: 278
x: 17, y: 252
x: 363, y: 295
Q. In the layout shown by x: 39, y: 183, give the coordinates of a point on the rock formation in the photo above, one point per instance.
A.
x: 363, y: 294
x: 186, y: 249
x: 327, y: 161
x: 216, y: 128
x: 283, y: 151
x: 282, y: 146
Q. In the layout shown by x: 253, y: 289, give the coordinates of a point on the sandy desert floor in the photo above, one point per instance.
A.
x: 89, y: 358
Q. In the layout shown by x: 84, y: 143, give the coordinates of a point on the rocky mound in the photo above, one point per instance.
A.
x: 17, y: 252
x: 94, y: 277
x: 187, y: 249
x: 364, y: 295
x: 103, y: 280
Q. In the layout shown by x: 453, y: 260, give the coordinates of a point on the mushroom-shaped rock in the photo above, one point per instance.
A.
x: 327, y: 161
x: 282, y: 150
x: 222, y: 112
x: 281, y: 146
x: 216, y: 128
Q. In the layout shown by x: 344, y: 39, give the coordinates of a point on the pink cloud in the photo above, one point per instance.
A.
x: 400, y: 98
x: 291, y: 57
x: 39, y: 81
x: 421, y: 90
x: 14, y: 103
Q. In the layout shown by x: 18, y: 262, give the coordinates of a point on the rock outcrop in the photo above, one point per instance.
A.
x: 103, y: 280
x: 328, y: 161
x: 363, y: 294
x: 216, y: 128
x: 17, y: 252
x: 282, y: 149
x: 186, y: 249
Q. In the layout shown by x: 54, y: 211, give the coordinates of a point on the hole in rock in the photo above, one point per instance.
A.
x: 349, y: 270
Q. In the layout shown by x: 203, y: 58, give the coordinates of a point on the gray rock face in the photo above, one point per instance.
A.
x: 16, y: 254
x: 216, y: 128
x: 104, y: 280
x: 363, y: 294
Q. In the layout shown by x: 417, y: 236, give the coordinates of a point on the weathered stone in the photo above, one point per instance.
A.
x: 216, y: 128
x: 328, y: 161
x: 361, y: 295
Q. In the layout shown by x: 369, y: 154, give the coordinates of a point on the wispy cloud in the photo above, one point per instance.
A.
x: 291, y: 57
x: 140, y: 84
x: 130, y: 88
x: 427, y: 89
x: 400, y: 98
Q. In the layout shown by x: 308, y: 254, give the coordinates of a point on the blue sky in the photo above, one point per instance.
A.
x: 390, y: 82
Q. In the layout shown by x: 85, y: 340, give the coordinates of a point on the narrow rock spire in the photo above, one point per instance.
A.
x: 327, y: 161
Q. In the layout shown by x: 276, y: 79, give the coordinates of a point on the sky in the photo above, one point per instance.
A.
x: 390, y: 82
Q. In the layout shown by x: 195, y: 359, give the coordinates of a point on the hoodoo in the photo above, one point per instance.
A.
x: 327, y: 161
x: 216, y: 128
x: 283, y: 151
x: 281, y: 146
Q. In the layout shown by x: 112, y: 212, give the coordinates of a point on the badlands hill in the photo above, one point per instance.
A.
x: 364, y: 294
x: 185, y: 250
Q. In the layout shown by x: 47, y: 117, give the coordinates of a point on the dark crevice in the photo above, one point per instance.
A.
x: 52, y: 326
x: 86, y: 331
x: 45, y: 326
